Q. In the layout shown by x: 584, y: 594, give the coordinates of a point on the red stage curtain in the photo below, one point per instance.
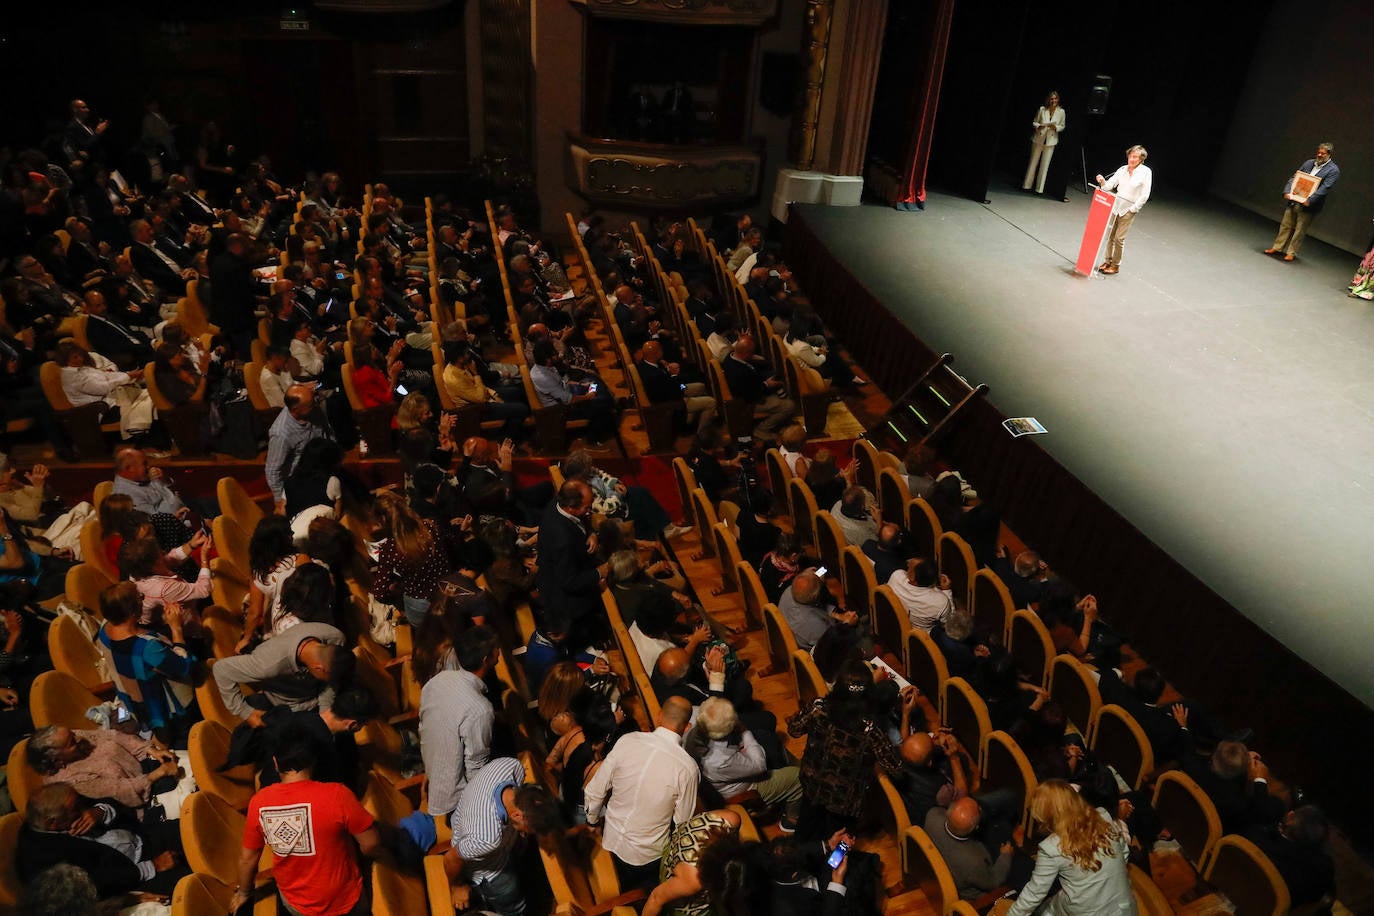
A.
x: 925, y: 102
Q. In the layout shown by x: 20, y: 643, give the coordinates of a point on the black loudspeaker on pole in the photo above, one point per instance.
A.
x: 1099, y: 93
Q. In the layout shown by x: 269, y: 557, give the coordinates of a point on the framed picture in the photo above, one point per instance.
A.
x: 1304, y: 186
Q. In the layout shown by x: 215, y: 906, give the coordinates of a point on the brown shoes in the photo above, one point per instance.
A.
x: 1104, y: 265
x: 1271, y: 251
x: 1111, y: 269
x: 1289, y: 257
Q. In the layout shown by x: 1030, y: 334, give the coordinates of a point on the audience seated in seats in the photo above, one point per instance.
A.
x: 723, y: 337
x: 733, y: 761
x: 375, y: 380
x: 856, y: 511
x: 1009, y: 699
x: 886, y: 552
x: 312, y: 827
x: 102, y: 763
x: 456, y: 720
x: 176, y: 376
x: 655, y: 618
x: 954, y: 831
x: 275, y: 378
x: 152, y: 673
x: 716, y: 468
x: 296, y: 425
x: 1236, y: 779
x: 89, y: 378
x: 489, y: 486
x: 781, y: 566
x: 152, y: 491
x: 845, y: 747
x: 919, y: 462
x: 112, y: 338
x: 1297, y: 845
x: 154, y: 263
x: 23, y: 499
x: 800, y: 880
x: 695, y: 850
x: 924, y: 592
x: 651, y: 783
x: 320, y: 487
x: 119, y: 853
x: 615, y: 499
x: 634, y: 584
x: 467, y: 387
x: 144, y: 563
x: 297, y: 669
x: 421, y: 436
x: 936, y: 773
x: 1025, y: 576
x: 667, y: 383
x: 751, y: 380
x: 824, y: 478
x: 792, y: 447
x: 757, y: 533
x: 807, y: 609
x: 62, y: 890
x: 955, y: 638
x: 1163, y: 725
x: 592, y: 403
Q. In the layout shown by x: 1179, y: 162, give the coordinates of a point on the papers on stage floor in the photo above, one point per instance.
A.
x: 901, y: 682
x: 1023, y: 426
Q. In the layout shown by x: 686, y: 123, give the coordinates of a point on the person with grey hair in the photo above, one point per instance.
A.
x: 734, y: 763
x: 63, y: 890
x: 1132, y: 184
x: 1300, y: 210
x: 101, y: 763
x: 807, y: 612
x: 60, y: 827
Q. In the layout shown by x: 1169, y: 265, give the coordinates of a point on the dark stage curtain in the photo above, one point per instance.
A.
x: 1206, y: 647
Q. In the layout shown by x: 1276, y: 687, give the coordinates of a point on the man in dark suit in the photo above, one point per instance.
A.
x: 1163, y: 726
x: 886, y: 552
x: 1299, y: 211
x: 82, y: 254
x: 569, y: 579
x: 751, y: 381
x: 59, y: 826
x: 665, y: 383
x: 235, y: 295
x: 193, y: 209
x: 154, y: 263
x: 1237, y: 782
x: 113, y: 339
x: 1297, y: 846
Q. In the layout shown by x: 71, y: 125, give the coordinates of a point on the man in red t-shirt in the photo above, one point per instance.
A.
x: 307, y: 824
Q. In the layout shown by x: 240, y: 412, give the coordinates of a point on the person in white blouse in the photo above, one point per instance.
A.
x: 1132, y: 185
x: 1048, y: 125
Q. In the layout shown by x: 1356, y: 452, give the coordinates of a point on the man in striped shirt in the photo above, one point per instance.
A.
x: 498, y: 809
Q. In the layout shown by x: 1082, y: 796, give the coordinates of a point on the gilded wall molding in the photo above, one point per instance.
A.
x: 685, y: 12
x: 815, y: 54
x: 649, y: 174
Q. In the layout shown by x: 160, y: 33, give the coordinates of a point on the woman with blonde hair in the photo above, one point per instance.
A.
x: 1086, y: 851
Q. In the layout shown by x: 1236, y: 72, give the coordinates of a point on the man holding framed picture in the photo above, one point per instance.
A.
x: 1304, y: 195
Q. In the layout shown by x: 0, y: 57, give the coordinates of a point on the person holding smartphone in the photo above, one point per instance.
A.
x: 588, y: 402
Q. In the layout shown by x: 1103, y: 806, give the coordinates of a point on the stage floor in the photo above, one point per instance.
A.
x: 1219, y: 399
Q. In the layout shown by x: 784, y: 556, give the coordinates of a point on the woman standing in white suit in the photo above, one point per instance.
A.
x: 1048, y: 124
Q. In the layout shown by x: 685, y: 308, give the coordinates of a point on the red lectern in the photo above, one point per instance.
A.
x: 1099, y: 216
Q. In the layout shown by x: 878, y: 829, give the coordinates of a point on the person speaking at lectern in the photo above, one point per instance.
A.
x: 1132, y: 185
